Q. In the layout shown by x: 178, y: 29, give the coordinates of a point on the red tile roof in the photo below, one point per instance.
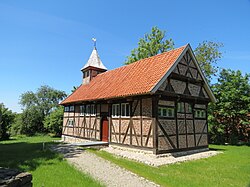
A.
x: 135, y: 79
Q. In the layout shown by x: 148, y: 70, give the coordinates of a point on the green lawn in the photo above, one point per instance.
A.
x: 47, y: 167
x: 231, y: 168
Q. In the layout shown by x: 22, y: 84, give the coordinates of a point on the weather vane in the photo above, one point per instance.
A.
x: 94, y: 40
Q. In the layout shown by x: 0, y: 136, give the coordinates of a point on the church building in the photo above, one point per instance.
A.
x: 157, y: 103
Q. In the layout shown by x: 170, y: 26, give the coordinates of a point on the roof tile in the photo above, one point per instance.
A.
x: 135, y: 79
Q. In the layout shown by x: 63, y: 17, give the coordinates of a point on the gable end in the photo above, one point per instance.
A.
x: 186, y: 65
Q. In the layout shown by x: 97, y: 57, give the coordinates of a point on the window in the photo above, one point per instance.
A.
x: 125, y: 110
x: 180, y: 107
x: 70, y: 123
x: 66, y: 109
x: 170, y: 112
x: 200, y: 113
x: 71, y: 108
x: 82, y: 110
x: 92, y: 110
x: 116, y: 110
x: 189, y: 109
x: 165, y: 112
x: 87, y: 110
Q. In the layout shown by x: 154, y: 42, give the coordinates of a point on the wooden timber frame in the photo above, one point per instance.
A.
x: 135, y: 130
x: 144, y: 127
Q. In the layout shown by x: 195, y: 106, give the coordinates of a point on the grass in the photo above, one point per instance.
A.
x: 232, y: 168
x: 47, y: 168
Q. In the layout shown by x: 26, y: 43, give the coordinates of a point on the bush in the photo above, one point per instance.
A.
x: 29, y: 122
x: 228, y: 117
x: 53, y: 122
x: 6, y: 119
x: 216, y: 133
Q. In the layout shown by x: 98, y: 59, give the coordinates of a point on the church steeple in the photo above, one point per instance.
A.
x: 93, y: 67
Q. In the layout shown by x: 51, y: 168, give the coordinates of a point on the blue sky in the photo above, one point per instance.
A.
x: 48, y: 42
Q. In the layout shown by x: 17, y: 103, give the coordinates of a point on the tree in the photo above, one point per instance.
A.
x: 229, y: 114
x: 16, y: 126
x: 36, y: 106
x: 6, y: 119
x: 150, y: 45
x: 46, y: 98
x: 54, y: 121
x: 31, y: 121
x: 207, y: 54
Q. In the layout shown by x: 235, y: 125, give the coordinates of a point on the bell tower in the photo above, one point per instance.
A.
x: 93, y: 67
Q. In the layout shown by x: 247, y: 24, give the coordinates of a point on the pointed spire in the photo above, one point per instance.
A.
x: 94, y: 59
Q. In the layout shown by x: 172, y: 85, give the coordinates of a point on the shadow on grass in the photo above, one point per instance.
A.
x: 25, y: 156
x: 216, y: 149
x: 10, y: 139
x: 236, y: 145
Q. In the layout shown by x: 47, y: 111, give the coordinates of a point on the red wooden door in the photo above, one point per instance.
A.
x: 105, y: 129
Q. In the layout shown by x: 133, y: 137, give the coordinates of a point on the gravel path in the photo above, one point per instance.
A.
x: 155, y: 160
x: 106, y: 172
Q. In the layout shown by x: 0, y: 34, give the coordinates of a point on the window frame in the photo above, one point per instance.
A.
x: 71, y: 108
x: 87, y: 110
x: 125, y: 111
x: 87, y: 73
x: 82, y: 110
x: 115, y: 109
x: 181, y: 107
x: 189, y: 108
x: 66, y: 109
x: 167, y: 112
x: 200, y: 113
x: 92, y: 110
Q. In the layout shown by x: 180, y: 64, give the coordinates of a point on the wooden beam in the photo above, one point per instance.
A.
x: 141, y: 121
x: 113, y: 131
x: 207, y: 122
x: 202, y: 132
x: 185, y: 79
x: 120, y: 128
x: 187, y: 98
x: 154, y: 122
x: 148, y: 136
x: 100, y: 121
x: 74, y: 122
x: 176, y: 122
x: 185, y: 121
x: 131, y: 121
x: 126, y: 133
x: 109, y: 120
x: 193, y: 111
x: 81, y: 127
x: 166, y: 135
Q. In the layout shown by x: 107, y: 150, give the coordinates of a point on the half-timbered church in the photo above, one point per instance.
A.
x: 157, y: 104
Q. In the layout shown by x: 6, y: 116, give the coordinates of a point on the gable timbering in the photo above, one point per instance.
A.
x: 185, y: 79
x: 184, y: 98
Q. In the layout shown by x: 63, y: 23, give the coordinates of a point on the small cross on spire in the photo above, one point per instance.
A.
x: 94, y: 40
